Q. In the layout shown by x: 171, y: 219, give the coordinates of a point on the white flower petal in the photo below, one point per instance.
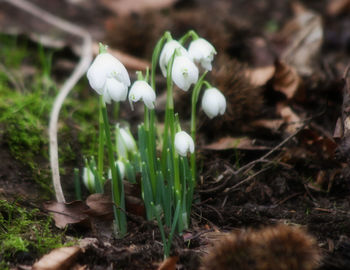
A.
x: 183, y: 143
x: 142, y: 90
x: 167, y: 52
x: 213, y: 102
x: 106, y: 97
x: 116, y: 90
x: 184, y: 72
x: 201, y: 51
x: 104, y: 67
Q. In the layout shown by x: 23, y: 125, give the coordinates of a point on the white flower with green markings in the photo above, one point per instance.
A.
x: 141, y: 90
x: 108, y: 77
x: 202, y: 52
x: 183, y: 143
x: 213, y: 102
x: 168, y: 51
x: 184, y: 72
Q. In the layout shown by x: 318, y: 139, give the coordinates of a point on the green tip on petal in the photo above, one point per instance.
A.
x: 102, y: 48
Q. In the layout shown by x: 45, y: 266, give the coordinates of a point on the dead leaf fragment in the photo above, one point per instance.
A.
x: 292, y: 120
x: 336, y: 7
x: 125, y: 7
x: 304, y: 36
x: 287, y: 81
x: 261, y: 75
x: 169, y: 263
x: 67, y: 213
x: 242, y: 143
x: 58, y: 259
x: 99, y: 205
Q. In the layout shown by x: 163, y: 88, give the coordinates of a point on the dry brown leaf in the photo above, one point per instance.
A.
x: 243, y: 143
x: 125, y: 7
x: 99, y: 205
x: 343, y: 125
x: 261, y: 75
x: 68, y: 213
x: 272, y: 124
x: 129, y: 61
x: 287, y: 81
x: 58, y: 259
x: 292, y: 120
x: 169, y: 263
x: 304, y: 36
x: 336, y: 7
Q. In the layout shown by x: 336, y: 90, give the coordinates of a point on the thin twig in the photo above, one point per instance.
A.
x: 80, y: 69
x: 248, y: 166
x: 247, y: 179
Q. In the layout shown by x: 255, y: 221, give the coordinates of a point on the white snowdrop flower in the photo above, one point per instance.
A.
x: 168, y: 51
x: 184, y: 72
x: 183, y: 143
x: 125, y: 142
x: 213, y: 102
x: 108, y: 77
x: 142, y: 90
x: 202, y: 52
x: 118, y: 165
x: 89, y: 179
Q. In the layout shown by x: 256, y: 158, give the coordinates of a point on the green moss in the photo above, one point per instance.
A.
x: 24, y: 112
x: 25, y: 230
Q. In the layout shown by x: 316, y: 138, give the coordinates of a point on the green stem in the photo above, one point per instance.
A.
x: 77, y: 184
x: 191, y: 34
x: 100, y: 141
x: 117, y: 188
x: 195, y: 95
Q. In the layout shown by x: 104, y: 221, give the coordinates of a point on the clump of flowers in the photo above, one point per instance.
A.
x: 168, y: 179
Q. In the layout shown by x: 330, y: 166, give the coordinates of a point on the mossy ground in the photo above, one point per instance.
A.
x: 25, y: 234
x: 28, y: 89
x: 27, y: 94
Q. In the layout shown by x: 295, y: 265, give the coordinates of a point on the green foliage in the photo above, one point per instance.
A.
x: 24, y: 230
x: 27, y: 93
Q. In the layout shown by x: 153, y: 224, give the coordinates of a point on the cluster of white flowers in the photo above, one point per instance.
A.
x: 109, y: 78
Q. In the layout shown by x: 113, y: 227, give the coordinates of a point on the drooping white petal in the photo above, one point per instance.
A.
x: 184, y: 72
x: 105, y: 66
x: 183, y: 143
x: 213, y: 102
x: 142, y: 90
x: 201, y: 51
x: 168, y: 51
x: 116, y: 90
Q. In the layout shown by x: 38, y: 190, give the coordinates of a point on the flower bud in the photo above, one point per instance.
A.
x: 183, y: 143
x: 89, y: 179
x: 213, y: 102
x: 125, y: 142
x: 118, y: 165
